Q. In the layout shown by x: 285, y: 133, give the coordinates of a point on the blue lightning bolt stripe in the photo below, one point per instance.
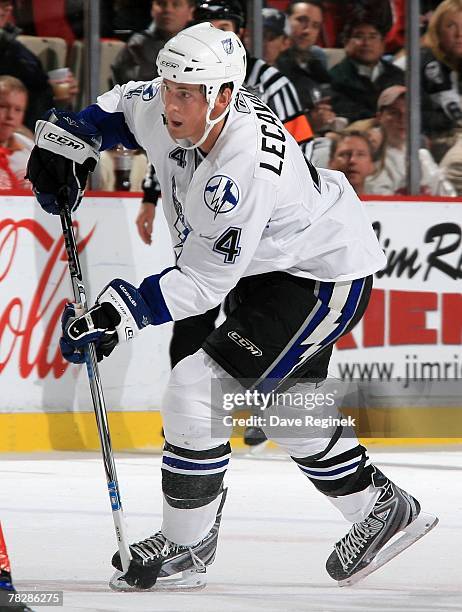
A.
x: 294, y: 356
x: 348, y: 311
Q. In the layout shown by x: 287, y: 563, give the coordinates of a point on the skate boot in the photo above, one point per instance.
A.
x: 158, y: 564
x: 371, y: 543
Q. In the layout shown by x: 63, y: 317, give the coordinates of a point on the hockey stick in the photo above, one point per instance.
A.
x: 96, y: 389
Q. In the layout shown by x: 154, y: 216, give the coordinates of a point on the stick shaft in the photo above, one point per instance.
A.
x: 96, y: 390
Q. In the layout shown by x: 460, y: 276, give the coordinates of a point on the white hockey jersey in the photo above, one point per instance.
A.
x: 252, y: 205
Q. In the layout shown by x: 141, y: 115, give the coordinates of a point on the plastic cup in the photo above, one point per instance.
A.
x: 59, y: 82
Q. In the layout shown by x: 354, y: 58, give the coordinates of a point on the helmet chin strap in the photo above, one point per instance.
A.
x: 209, y: 123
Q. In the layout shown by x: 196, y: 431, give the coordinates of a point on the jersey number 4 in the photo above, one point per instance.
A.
x: 178, y: 155
x: 228, y: 244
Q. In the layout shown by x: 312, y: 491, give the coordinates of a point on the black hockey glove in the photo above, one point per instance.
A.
x: 66, y: 151
x: 118, y: 315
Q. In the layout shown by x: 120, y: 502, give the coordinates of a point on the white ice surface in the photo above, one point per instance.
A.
x: 276, y: 534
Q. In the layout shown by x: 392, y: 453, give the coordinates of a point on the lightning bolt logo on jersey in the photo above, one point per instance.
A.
x: 221, y: 194
x: 149, y: 92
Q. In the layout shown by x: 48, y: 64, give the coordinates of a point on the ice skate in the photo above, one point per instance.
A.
x: 253, y: 436
x: 394, y: 523
x: 158, y: 564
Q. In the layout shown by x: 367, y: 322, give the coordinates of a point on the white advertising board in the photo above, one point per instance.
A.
x: 411, y: 330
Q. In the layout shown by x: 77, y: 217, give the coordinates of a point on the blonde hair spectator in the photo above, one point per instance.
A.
x: 15, y: 147
x: 439, y: 39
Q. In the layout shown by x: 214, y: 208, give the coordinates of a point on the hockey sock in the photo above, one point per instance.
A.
x: 338, y: 474
x: 192, y: 486
x: 186, y: 525
x: 356, y: 506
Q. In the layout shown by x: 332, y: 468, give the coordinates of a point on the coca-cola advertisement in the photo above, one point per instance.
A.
x: 35, y: 286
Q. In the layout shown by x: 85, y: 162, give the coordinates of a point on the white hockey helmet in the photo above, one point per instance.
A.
x: 204, y: 55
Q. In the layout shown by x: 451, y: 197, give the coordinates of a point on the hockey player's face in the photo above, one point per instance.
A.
x: 450, y: 32
x: 185, y: 110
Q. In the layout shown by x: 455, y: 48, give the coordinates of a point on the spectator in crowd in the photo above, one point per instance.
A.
x: 15, y: 148
x: 352, y: 154
x: 337, y: 13
x: 391, y: 178
x: 275, y: 35
x: 358, y: 80
x: 378, y: 139
x: 441, y: 73
x: 441, y: 79
x: 16, y: 60
x: 302, y: 62
x: 305, y: 20
x: 137, y: 62
x: 376, y: 136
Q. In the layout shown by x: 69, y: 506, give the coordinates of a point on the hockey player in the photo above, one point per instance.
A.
x: 280, y: 95
x: 246, y: 213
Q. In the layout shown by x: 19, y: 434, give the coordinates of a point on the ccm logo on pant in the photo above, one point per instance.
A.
x: 245, y: 343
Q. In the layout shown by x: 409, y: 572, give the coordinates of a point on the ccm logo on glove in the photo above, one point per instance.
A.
x: 63, y: 140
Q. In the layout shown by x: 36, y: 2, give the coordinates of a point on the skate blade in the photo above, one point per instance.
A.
x: 258, y: 449
x: 413, y: 532
x: 189, y: 580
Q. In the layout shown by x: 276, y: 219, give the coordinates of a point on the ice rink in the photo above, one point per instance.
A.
x: 276, y: 535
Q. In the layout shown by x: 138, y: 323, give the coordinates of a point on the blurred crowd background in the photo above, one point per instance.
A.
x: 334, y: 71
